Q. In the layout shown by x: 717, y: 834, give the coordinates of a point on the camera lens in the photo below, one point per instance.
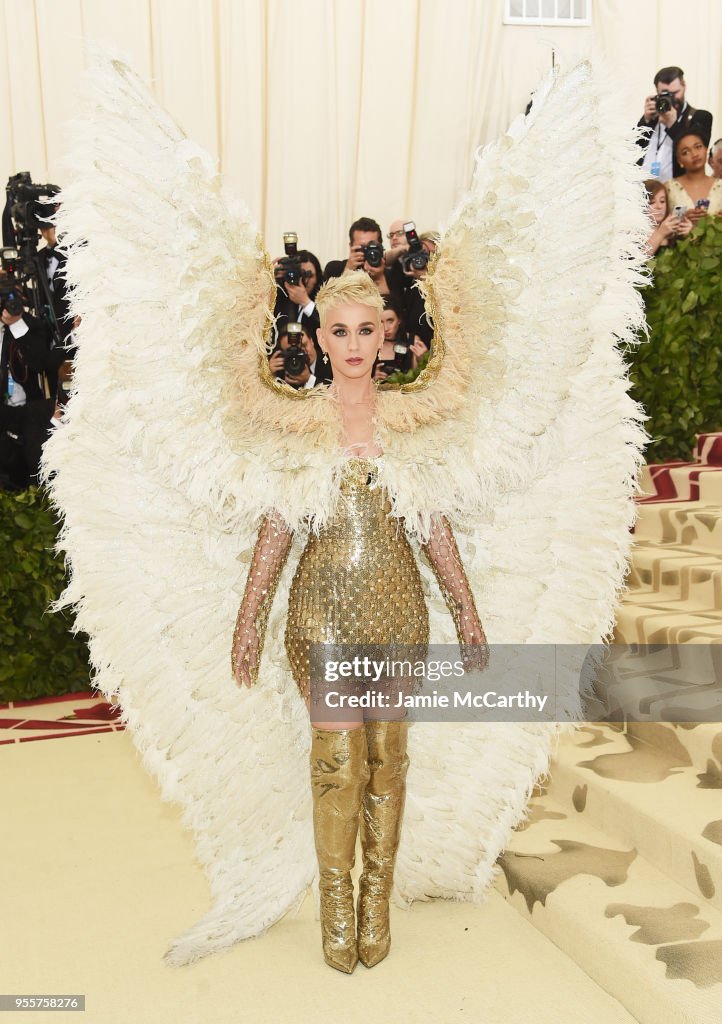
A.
x: 374, y: 254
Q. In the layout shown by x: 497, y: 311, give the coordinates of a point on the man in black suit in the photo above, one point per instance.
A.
x: 54, y: 261
x: 363, y: 232
x: 666, y: 120
x: 295, y: 302
x: 27, y: 394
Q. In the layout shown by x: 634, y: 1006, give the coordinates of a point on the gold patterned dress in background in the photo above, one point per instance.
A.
x: 357, y: 582
x: 677, y: 195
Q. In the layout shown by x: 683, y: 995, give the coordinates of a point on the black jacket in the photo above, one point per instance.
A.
x: 58, y: 290
x: 415, y: 317
x: 286, y: 311
x: 701, y: 120
x: 28, y: 359
x: 396, y: 279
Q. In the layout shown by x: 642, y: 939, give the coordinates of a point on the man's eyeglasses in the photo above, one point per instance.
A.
x: 396, y: 234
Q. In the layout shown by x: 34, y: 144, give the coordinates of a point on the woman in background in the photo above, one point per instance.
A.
x: 668, y: 226
x: 396, y: 355
x: 695, y: 189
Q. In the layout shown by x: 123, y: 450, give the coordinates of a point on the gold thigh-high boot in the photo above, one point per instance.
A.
x: 381, y: 814
x: 339, y: 774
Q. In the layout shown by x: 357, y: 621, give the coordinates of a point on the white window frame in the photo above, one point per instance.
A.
x: 565, y: 22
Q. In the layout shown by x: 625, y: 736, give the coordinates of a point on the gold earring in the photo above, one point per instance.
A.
x: 325, y: 357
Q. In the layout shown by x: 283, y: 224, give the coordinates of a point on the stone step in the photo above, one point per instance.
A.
x: 649, y: 796
x: 641, y: 623
x: 641, y: 936
x: 665, y: 570
x: 708, y: 449
x: 686, y: 524
x: 701, y: 740
x: 658, y: 687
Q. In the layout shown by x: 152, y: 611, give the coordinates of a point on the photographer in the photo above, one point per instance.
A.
x: 397, y: 241
x: 28, y: 399
x: 667, y: 116
x: 298, y: 278
x: 365, y: 249
x: 415, y: 265
x: 297, y: 359
x: 53, y: 262
x: 366, y: 252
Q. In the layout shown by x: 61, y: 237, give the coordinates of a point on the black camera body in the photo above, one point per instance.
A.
x: 289, y: 269
x: 295, y: 359
x: 11, y: 298
x: 664, y: 101
x: 400, y: 353
x: 417, y: 258
x: 25, y: 283
x: 373, y: 253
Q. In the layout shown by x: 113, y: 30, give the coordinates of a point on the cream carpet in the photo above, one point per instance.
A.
x: 98, y: 875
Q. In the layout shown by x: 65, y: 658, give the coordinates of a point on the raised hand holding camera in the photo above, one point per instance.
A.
x: 356, y: 257
x: 297, y: 293
x: 372, y: 253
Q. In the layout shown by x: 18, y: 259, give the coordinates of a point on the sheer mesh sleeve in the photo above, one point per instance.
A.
x: 445, y: 560
x: 269, y: 557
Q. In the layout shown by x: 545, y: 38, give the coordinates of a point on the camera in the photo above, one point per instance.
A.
x: 373, y: 253
x: 664, y: 101
x: 295, y: 359
x: 417, y: 258
x: 11, y: 297
x: 25, y: 281
x: 397, y: 364
x: 289, y: 269
x: 400, y: 351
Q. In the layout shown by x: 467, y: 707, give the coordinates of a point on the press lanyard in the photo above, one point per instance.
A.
x: 660, y: 141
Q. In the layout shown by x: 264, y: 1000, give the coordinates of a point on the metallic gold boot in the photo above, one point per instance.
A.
x: 381, y: 814
x: 339, y: 774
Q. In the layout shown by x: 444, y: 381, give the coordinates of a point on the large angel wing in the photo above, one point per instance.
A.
x: 526, y: 436
x: 159, y: 507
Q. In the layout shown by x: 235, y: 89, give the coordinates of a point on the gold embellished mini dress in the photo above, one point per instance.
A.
x: 357, y: 581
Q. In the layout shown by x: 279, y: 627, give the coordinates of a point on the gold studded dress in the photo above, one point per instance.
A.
x: 357, y: 582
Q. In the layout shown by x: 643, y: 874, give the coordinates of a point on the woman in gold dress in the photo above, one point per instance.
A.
x: 357, y: 582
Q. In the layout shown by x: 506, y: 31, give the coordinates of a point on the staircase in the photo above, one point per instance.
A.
x: 619, y: 862
x: 675, y: 583
x: 620, y: 865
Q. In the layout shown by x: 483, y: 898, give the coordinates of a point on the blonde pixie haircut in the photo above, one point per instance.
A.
x: 352, y: 286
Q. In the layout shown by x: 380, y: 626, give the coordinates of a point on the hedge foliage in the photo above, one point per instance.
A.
x: 676, y: 374
x: 405, y: 378
x: 39, y: 656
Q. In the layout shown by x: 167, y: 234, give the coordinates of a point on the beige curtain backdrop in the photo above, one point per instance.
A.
x: 326, y: 110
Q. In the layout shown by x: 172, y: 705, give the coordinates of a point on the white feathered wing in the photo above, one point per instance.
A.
x: 535, y: 289
x: 172, y: 449
x: 168, y: 276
